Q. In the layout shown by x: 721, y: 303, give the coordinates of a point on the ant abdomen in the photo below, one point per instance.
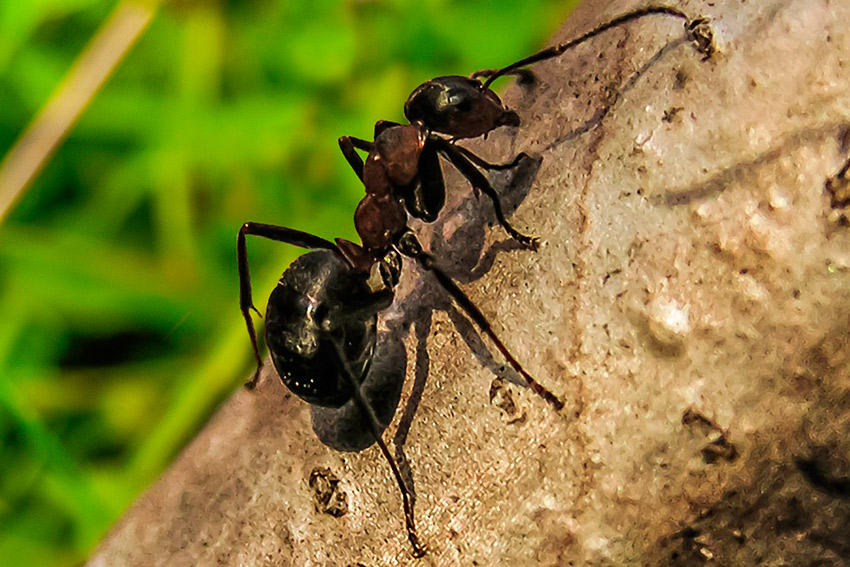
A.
x: 308, y: 316
x: 347, y: 428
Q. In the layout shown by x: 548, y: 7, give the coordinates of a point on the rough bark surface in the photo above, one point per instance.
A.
x: 690, y: 305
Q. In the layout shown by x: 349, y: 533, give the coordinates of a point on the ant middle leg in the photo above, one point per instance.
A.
x: 478, y: 181
x: 246, y: 303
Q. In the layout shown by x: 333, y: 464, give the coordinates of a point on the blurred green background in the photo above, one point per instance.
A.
x: 119, y: 323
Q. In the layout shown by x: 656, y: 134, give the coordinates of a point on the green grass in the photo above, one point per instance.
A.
x: 120, y: 330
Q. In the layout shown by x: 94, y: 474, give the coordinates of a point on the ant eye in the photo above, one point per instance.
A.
x: 453, y: 101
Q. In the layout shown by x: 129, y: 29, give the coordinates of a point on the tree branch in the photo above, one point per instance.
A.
x: 690, y: 305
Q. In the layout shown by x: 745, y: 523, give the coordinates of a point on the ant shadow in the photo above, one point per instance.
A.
x: 615, y: 96
x: 463, y: 258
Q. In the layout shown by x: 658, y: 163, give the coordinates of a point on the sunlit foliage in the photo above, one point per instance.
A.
x: 119, y: 324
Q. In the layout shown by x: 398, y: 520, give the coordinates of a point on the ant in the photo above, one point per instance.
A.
x: 321, y: 319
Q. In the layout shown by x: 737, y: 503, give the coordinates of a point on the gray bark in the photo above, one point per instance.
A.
x: 689, y: 305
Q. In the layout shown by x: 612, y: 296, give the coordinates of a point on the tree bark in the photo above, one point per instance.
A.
x: 689, y: 305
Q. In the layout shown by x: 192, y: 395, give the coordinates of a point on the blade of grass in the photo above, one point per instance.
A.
x: 50, y: 127
x: 62, y: 473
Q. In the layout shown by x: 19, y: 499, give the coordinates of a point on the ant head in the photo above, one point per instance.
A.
x: 459, y: 107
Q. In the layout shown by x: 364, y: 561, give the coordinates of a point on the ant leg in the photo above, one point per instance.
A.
x: 410, y: 247
x: 477, y: 179
x: 246, y: 304
x: 487, y: 165
x: 349, y: 145
x: 375, y: 425
x: 697, y: 29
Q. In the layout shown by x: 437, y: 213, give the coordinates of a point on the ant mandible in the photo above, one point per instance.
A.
x: 321, y: 319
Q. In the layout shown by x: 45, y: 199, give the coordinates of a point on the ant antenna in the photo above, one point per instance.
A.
x: 697, y: 30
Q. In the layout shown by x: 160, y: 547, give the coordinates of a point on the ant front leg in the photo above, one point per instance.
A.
x: 477, y: 179
x: 246, y: 303
x: 486, y: 164
x: 349, y: 146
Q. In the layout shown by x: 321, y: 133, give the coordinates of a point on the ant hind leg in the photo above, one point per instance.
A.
x: 246, y: 303
x: 409, y: 246
x: 375, y: 426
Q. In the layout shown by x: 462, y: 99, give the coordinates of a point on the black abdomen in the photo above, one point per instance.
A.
x: 305, y: 321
